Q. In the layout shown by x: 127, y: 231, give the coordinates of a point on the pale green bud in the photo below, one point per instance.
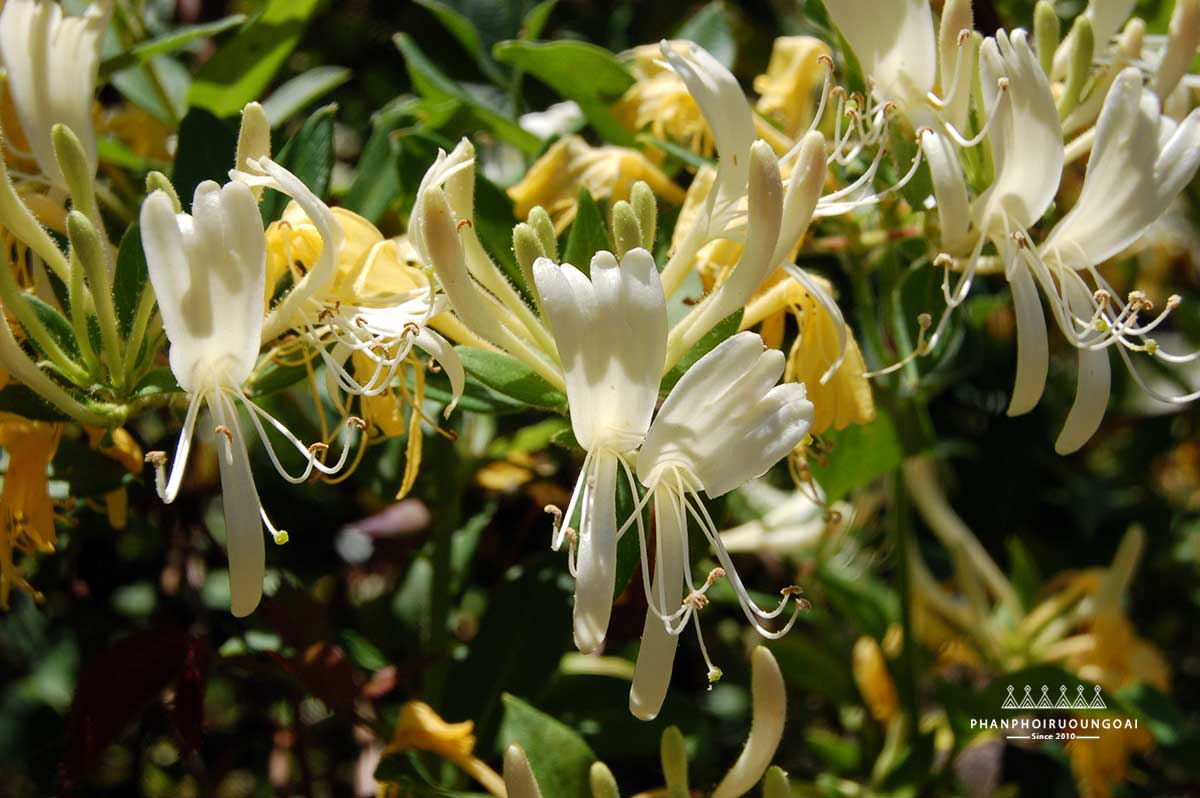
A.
x: 645, y: 205
x: 626, y: 232
x: 1080, y: 66
x: 88, y: 249
x: 776, y: 784
x: 602, y: 781
x: 1045, y: 33
x: 254, y: 139
x: 543, y: 225
x: 77, y: 171
x: 157, y: 181
x: 674, y: 762
x: 527, y: 246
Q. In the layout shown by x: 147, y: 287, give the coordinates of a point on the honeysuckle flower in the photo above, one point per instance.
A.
x: 559, y: 119
x: 724, y: 423
x: 421, y: 728
x: 793, y: 522
x: 611, y: 331
x: 787, y: 90
x: 874, y: 682
x: 659, y: 102
x: 26, y: 509
x: 607, y: 172
x: 208, y: 272
x: 375, y: 307
x: 52, y: 61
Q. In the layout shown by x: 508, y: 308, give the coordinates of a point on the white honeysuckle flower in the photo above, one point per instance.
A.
x: 895, y: 45
x: 1140, y: 162
x: 611, y: 331
x: 724, y: 423
x: 51, y: 62
x: 611, y: 334
x: 208, y: 273
x: 441, y: 230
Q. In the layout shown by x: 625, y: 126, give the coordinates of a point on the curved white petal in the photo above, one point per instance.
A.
x: 766, y: 727
x: 52, y: 62
x: 804, y: 186
x: 1139, y: 163
x: 1025, y: 136
x: 243, y: 512
x: 596, y: 560
x: 1033, y: 352
x: 726, y: 419
x: 894, y: 42
x: 656, y: 657
x: 440, y: 350
x: 949, y: 189
x: 208, y: 273
x: 1095, y: 378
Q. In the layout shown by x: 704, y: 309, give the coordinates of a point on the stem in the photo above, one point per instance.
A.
x: 901, y: 537
x: 76, y: 297
x: 137, y: 333
x: 448, y: 481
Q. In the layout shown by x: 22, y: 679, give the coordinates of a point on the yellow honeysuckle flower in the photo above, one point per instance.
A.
x: 787, y: 90
x: 293, y: 242
x: 420, y: 728
x: 141, y: 132
x: 126, y: 451
x: 873, y: 679
x: 659, y: 102
x: 26, y: 509
x: 571, y: 163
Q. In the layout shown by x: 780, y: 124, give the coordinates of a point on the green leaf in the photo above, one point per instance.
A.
x: 174, y: 78
x: 1026, y: 576
x: 467, y: 35
x: 861, y: 453
x: 377, y: 181
x: 206, y: 151
x: 511, y: 377
x: 272, y: 378
x: 177, y: 39
x: 725, y: 328
x: 309, y: 156
x: 562, y: 65
x: 476, y: 398
x: 709, y: 27
x: 588, y: 234
x: 156, y: 381
x: 22, y: 401
x: 242, y: 69
x: 431, y: 82
x: 56, y: 324
x: 865, y: 603
x: 559, y: 757
x: 809, y: 665
x: 130, y: 278
x: 296, y: 94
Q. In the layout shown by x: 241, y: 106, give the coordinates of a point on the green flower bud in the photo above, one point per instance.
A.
x: 1080, y: 66
x: 602, y: 781
x: 645, y: 205
x: 626, y: 232
x: 1045, y: 33
x: 776, y: 784
x: 73, y: 162
x: 543, y: 225
x: 674, y: 762
x: 157, y: 181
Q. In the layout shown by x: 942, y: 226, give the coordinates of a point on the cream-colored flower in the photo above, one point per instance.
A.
x: 787, y: 90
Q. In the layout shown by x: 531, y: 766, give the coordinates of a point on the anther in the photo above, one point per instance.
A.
x: 318, y: 448
x: 224, y: 430
x: 557, y: 513
x: 280, y: 536
x: 156, y: 458
x: 461, y: 224
x: 356, y: 422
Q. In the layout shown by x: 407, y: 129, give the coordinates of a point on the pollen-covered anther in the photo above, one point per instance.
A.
x: 280, y: 536
x: 964, y: 36
x: 1174, y: 301
x: 827, y: 60
x: 221, y: 429
x: 412, y: 328
x: 157, y: 458
x: 715, y: 675
x: 461, y: 224
x: 1101, y: 298
x: 1020, y: 239
x: 356, y: 422
x: 1138, y: 301
x: 943, y: 260
x: 556, y: 512
x: 318, y: 448
x: 1002, y: 84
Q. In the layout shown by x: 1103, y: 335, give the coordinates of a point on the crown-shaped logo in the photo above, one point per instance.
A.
x: 1064, y: 701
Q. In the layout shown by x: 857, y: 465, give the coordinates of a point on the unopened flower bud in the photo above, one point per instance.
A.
x: 776, y: 784
x: 75, y: 167
x: 626, y: 232
x: 674, y: 762
x: 543, y: 225
x: 254, y: 140
x: 1045, y: 34
x: 645, y: 205
x: 1083, y: 47
x: 602, y: 782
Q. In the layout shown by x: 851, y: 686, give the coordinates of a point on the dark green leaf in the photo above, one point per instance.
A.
x: 724, y: 329
x: 130, y: 278
x: 377, y: 181
x: 864, y: 603
x: 588, y: 234
x: 467, y: 35
x: 56, y: 324
x: 298, y: 93
x: 173, y: 81
x: 709, y: 27
x: 476, y: 398
x: 309, y: 156
x: 206, y: 151
x: 560, y: 65
x: 511, y: 377
x: 431, y: 82
x: 559, y: 757
x: 177, y: 39
x: 242, y: 69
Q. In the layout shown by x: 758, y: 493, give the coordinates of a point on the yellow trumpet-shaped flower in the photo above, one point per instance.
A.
x: 873, y: 679
x: 571, y: 163
x: 122, y: 448
x: 660, y: 103
x: 26, y: 510
x: 788, y: 89
x: 420, y: 728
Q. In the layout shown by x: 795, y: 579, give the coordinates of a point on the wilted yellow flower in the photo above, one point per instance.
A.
x: 787, y: 90
x: 659, y: 102
x: 26, y: 510
x: 126, y: 451
x: 873, y: 679
x: 420, y: 728
x: 606, y: 172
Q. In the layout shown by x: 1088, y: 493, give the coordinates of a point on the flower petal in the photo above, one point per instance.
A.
x: 1033, y: 352
x: 1095, y: 378
x: 894, y: 42
x: 243, y: 519
x: 596, y: 560
x: 656, y: 657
